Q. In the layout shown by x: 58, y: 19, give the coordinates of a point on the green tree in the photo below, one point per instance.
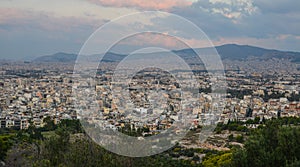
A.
x: 5, y: 144
x: 49, y: 124
x: 272, y: 145
x: 223, y: 160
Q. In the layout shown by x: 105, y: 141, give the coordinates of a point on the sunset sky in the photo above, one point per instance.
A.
x: 31, y: 28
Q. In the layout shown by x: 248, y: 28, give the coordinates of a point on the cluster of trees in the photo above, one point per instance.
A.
x: 238, y: 138
x: 231, y: 126
x: 275, y: 143
x: 73, y: 126
x: 288, y: 121
x: 178, y: 151
x: 128, y: 130
x: 271, y: 145
x: 6, y: 141
x: 68, y: 146
x: 239, y: 93
x: 219, y: 160
x: 60, y: 151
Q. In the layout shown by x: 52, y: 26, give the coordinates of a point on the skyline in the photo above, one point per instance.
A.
x: 36, y: 28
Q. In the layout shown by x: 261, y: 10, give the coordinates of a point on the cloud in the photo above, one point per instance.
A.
x: 27, y: 20
x: 228, y: 8
x: 7, y: 14
x: 257, y: 19
x: 27, y: 33
x: 272, y: 24
x: 148, y: 39
x: 144, y: 4
x: 278, y: 6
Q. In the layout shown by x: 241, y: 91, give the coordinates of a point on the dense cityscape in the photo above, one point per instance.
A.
x: 157, y: 83
x: 33, y: 93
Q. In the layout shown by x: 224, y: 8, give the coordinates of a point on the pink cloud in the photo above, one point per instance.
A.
x: 144, y: 4
x: 165, y: 41
x: 6, y: 14
x: 153, y: 39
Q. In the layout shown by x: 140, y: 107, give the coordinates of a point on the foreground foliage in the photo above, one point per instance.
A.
x: 274, y: 143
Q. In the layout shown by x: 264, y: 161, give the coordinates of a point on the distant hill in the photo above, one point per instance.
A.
x: 228, y: 51
x: 244, y: 52
x: 233, y: 51
x: 71, y: 58
x: 58, y: 57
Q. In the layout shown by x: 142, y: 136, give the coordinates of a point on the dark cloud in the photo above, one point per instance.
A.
x: 214, y: 24
x: 278, y: 6
x: 265, y: 22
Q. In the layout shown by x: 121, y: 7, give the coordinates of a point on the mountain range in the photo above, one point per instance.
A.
x: 226, y: 52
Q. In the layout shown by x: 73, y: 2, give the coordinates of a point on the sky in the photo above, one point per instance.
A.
x: 32, y: 28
